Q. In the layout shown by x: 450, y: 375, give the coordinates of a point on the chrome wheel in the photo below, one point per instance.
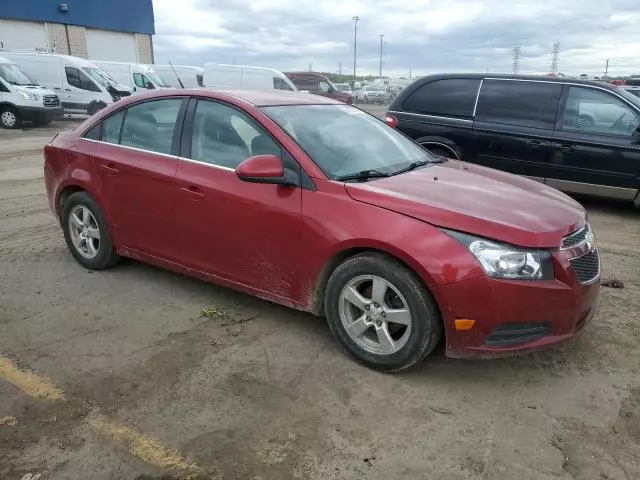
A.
x: 375, y: 315
x: 84, y: 231
x: 8, y: 119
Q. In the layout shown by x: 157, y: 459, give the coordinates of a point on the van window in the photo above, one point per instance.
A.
x: 77, y: 78
x: 324, y: 87
x: 150, y: 125
x: 595, y: 111
x: 200, y: 79
x: 141, y: 81
x: 520, y: 103
x: 453, y: 97
x: 280, y: 84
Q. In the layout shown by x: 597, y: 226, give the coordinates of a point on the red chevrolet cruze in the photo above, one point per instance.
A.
x: 314, y: 204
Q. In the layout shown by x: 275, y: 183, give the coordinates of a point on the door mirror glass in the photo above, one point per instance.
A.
x: 262, y: 169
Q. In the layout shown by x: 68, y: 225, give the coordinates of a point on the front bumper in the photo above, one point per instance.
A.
x: 513, y: 316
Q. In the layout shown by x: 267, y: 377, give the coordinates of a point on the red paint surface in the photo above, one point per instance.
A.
x: 276, y: 241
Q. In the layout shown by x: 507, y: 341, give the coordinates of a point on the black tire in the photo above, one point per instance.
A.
x: 442, y: 152
x: 9, y: 117
x: 106, y: 256
x: 426, y: 323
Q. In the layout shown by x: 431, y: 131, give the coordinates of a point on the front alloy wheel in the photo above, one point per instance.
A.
x: 9, y: 119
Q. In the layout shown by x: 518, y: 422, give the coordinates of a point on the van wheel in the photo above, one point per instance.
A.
x: 9, y: 118
x: 380, y: 312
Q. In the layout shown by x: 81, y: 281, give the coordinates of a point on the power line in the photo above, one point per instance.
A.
x: 554, y: 58
x: 516, y: 59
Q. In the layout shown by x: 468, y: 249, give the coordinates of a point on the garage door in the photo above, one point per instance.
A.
x: 111, y: 46
x: 17, y: 35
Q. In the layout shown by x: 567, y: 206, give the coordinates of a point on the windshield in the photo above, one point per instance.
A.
x: 100, y: 76
x: 343, y: 87
x: 13, y: 75
x: 344, y: 140
x: 155, y: 78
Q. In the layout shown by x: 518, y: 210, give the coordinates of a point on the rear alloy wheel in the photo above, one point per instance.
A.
x: 380, y: 312
x: 9, y: 118
x: 86, y: 232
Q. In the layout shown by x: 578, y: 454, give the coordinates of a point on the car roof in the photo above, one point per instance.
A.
x: 258, y: 98
x: 538, y: 78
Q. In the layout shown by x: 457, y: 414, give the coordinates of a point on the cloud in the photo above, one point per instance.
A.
x: 425, y: 36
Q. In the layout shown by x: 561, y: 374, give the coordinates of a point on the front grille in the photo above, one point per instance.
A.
x: 576, y: 237
x: 512, y: 333
x: 587, y: 267
x: 51, y: 101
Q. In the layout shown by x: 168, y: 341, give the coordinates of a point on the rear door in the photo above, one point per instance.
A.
x: 439, y: 115
x: 514, y: 125
x: 596, y: 148
x: 136, y: 160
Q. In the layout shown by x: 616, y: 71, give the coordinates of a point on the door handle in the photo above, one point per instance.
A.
x: 536, y: 143
x: 110, y: 168
x: 568, y: 148
x: 193, y: 191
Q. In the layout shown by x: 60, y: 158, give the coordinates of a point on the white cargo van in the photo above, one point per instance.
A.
x: 138, y: 76
x: 21, y: 99
x: 218, y: 75
x: 80, y: 84
x: 191, y: 77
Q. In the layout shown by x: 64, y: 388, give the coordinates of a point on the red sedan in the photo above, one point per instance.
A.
x: 314, y: 204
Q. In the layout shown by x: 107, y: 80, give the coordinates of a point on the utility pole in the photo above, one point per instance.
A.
x: 339, y: 68
x: 606, y: 70
x: 554, y: 58
x: 516, y: 59
x: 311, y: 67
x: 355, y: 43
x: 380, y: 73
x: 409, y: 72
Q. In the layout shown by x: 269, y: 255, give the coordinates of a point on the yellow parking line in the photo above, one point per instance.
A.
x: 29, y: 383
x: 143, y: 446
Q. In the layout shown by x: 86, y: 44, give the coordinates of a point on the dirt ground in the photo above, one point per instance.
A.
x: 143, y: 386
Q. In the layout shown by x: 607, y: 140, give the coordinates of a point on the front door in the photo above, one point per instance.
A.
x: 596, y: 148
x: 81, y: 90
x: 136, y: 161
x: 513, y: 126
x: 242, y: 232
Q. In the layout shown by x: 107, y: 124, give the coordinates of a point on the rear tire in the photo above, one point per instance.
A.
x: 9, y: 117
x: 87, y: 233
x: 394, y: 322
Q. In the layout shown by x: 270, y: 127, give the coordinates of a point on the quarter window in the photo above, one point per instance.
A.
x: 151, y: 125
x: 226, y: 137
x: 519, y: 103
x: 111, y: 128
x: 95, y: 132
x: 595, y: 111
x: 77, y: 78
x: 454, y: 97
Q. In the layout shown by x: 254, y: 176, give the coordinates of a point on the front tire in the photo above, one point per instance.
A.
x: 9, y: 117
x: 86, y: 232
x: 380, y: 312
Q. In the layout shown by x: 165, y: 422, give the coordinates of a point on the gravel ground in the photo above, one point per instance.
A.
x: 127, y: 379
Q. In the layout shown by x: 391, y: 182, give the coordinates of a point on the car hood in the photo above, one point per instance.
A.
x: 477, y: 200
x: 34, y: 89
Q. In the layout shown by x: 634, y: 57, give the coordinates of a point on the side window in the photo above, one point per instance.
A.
x: 280, y: 84
x: 77, y: 78
x: 454, y: 97
x: 138, y: 79
x: 150, y: 125
x: 324, y: 87
x: 595, y: 111
x: 200, y: 79
x: 225, y: 137
x: 95, y: 132
x: 111, y: 128
x: 519, y: 103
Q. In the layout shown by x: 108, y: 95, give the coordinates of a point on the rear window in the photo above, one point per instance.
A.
x: 519, y: 103
x: 452, y: 97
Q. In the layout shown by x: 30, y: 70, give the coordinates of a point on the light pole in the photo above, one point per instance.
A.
x: 355, y: 44
x: 381, y: 37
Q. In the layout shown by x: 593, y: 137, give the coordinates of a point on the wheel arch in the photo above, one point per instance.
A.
x: 441, y: 142
x: 67, y: 189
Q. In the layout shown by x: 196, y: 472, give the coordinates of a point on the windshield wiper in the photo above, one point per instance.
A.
x: 418, y: 164
x: 363, y: 175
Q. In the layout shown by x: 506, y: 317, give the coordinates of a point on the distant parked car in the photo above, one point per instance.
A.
x: 317, y: 205
x: 372, y: 94
x: 345, y: 88
x: 318, y: 84
x: 578, y: 136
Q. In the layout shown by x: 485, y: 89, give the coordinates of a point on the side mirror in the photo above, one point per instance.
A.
x: 149, y: 85
x: 265, y: 169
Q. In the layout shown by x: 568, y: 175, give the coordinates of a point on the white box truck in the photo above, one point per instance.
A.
x: 191, y: 77
x: 21, y: 99
x: 81, y: 85
x: 217, y: 75
x: 138, y: 76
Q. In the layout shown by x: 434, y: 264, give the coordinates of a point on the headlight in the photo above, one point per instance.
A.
x: 506, y: 261
x: 29, y: 96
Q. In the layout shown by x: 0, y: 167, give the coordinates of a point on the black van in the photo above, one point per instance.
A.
x: 575, y: 135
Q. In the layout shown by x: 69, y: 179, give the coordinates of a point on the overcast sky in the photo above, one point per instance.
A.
x: 425, y: 35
